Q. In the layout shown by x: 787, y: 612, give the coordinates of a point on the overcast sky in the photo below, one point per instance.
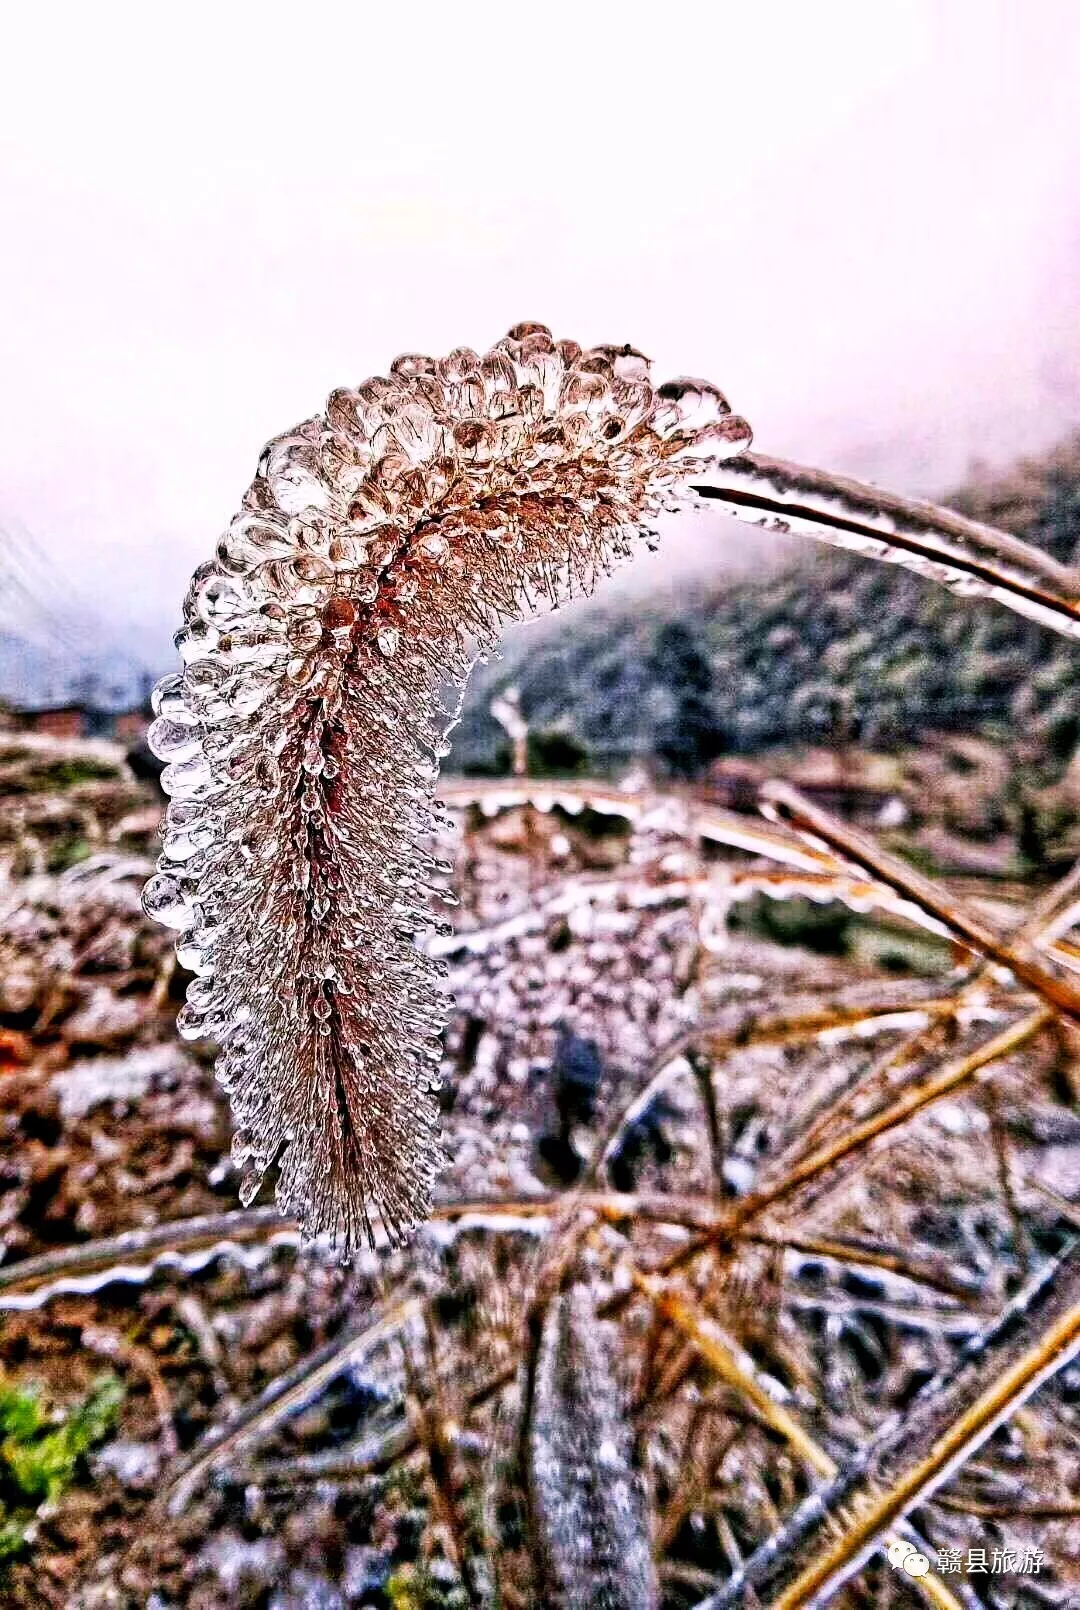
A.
x: 862, y: 220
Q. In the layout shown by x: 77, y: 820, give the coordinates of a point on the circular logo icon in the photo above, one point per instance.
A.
x: 906, y: 1557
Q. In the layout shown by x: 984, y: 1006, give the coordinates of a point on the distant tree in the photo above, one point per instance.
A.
x: 1057, y: 526
x: 679, y: 662
x: 693, y: 735
x: 553, y: 754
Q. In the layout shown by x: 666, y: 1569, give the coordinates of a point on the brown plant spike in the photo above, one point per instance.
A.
x: 379, y: 549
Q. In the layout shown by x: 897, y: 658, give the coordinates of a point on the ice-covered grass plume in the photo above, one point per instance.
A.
x: 381, y: 545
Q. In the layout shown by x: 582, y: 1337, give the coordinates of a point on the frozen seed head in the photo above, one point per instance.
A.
x: 379, y: 548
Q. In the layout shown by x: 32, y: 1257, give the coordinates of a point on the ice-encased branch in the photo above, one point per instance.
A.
x: 833, y: 1532
x: 971, y: 559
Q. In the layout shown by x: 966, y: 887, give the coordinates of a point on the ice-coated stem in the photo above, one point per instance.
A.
x: 969, y: 558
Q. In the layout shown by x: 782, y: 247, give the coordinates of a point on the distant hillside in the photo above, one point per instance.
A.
x: 831, y: 650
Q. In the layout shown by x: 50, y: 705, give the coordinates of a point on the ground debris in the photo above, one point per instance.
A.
x: 588, y: 954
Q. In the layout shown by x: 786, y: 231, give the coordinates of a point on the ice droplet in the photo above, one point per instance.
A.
x: 688, y: 405
x: 724, y: 438
x: 167, y: 699
x: 221, y: 599
x: 297, y: 487
x: 165, y: 901
x: 249, y: 1189
x: 365, y: 588
x: 188, y: 779
x: 388, y: 638
x: 192, y: 956
x: 171, y: 741
x: 250, y: 695
x: 189, y: 1024
x: 433, y: 546
x: 202, y: 684
x: 268, y: 773
x: 200, y: 994
x: 195, y: 641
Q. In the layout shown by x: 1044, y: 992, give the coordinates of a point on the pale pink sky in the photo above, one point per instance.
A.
x: 862, y: 220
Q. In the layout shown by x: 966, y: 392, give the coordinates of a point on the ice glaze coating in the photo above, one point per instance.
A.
x: 379, y: 549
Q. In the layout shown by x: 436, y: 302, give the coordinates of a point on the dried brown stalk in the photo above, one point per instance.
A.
x: 1041, y: 1510
x: 430, y: 1420
x: 737, y: 1369
x: 831, y: 1536
x: 954, y: 1076
x: 1037, y: 927
x: 789, y: 806
x: 781, y: 1029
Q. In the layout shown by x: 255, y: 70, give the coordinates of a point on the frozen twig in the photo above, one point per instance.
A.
x: 789, y: 806
x: 954, y: 1076
x: 969, y: 558
x: 284, y: 1397
x: 832, y: 1534
x: 738, y: 1370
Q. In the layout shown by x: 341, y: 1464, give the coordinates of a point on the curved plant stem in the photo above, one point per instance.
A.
x: 965, y: 555
x: 133, y: 1254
